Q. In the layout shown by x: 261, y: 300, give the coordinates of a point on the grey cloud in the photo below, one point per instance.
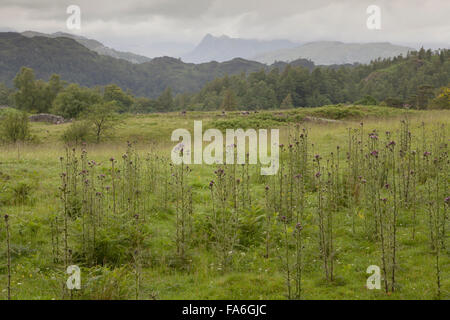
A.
x: 129, y: 23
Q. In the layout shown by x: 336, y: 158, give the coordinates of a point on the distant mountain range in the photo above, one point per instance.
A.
x: 333, y: 52
x: 321, y: 53
x: 224, y: 48
x: 89, y: 63
x: 93, y: 45
x: 76, y: 63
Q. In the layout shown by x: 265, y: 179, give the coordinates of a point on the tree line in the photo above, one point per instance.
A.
x: 413, y: 81
x: 419, y: 80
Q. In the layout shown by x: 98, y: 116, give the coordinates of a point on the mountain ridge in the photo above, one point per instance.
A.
x: 76, y: 63
x: 223, y: 48
x: 93, y: 45
x: 335, y: 52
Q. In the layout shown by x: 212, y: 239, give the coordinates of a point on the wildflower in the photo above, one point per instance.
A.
x: 299, y: 227
x: 267, y: 188
x: 374, y: 153
x: 447, y: 200
x: 211, y: 183
x: 318, y: 174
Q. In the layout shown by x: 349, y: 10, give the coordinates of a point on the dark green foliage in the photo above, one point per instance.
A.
x: 367, y: 101
x: 412, y: 80
x: 74, y: 100
x: 229, y: 101
x: 6, y: 97
x: 165, y: 101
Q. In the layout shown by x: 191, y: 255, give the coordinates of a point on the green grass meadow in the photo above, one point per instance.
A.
x: 30, y: 194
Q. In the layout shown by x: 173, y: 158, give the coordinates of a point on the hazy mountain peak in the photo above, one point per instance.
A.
x: 91, y: 44
x: 335, y: 52
x: 224, y: 48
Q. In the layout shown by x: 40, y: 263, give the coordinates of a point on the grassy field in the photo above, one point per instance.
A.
x: 154, y: 236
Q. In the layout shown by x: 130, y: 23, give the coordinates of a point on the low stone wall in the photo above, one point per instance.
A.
x: 45, y: 117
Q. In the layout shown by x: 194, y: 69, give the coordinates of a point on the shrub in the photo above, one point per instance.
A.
x: 21, y: 193
x: 442, y: 101
x: 15, y: 127
x: 77, y: 132
x: 367, y: 101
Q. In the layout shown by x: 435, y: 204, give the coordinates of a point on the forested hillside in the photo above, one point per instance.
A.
x: 75, y: 63
x: 412, y: 81
x: 168, y: 84
x: 93, y: 45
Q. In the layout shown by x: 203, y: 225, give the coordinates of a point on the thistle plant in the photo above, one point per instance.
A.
x: 183, y: 208
x: 224, y: 220
x: 8, y: 255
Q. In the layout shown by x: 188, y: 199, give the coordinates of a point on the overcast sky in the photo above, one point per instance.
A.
x: 172, y: 27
